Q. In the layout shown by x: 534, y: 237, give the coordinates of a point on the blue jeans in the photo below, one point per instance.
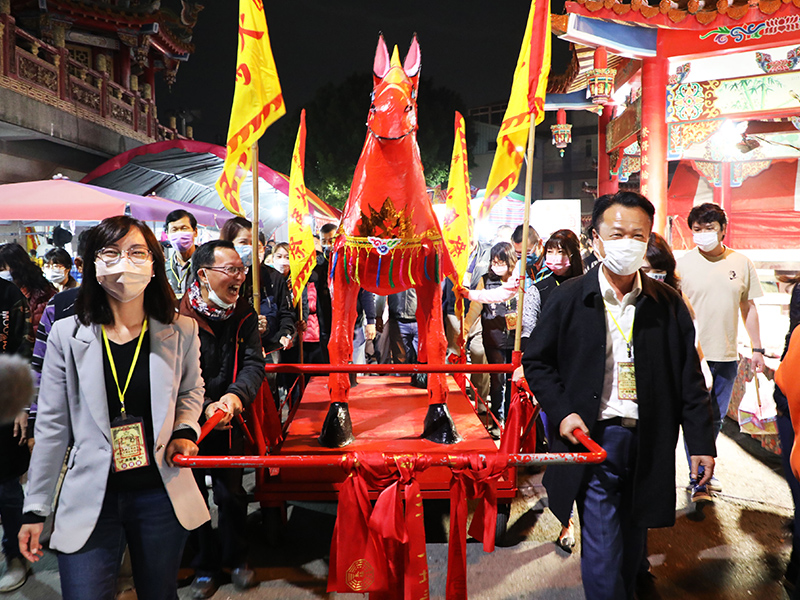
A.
x: 155, y: 538
x: 409, y: 335
x: 612, y: 545
x: 724, y: 374
x: 11, y: 500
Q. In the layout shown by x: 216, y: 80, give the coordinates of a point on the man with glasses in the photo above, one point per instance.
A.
x: 181, y: 227
x: 229, y: 340
x: 720, y: 283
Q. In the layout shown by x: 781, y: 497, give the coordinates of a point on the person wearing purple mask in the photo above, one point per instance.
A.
x: 181, y: 228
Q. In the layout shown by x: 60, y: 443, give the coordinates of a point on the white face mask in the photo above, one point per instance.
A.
x: 657, y: 275
x: 500, y: 270
x: 706, y: 240
x: 624, y: 256
x: 6, y: 275
x: 246, y: 254
x: 124, y: 281
x: 281, y: 265
x: 213, y: 297
x: 55, y: 275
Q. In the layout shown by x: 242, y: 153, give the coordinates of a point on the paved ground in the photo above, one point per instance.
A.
x: 735, y: 549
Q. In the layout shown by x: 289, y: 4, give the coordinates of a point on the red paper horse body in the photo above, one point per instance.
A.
x: 389, y: 241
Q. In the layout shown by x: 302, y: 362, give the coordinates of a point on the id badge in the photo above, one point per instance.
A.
x: 128, y: 445
x: 511, y: 320
x: 626, y: 381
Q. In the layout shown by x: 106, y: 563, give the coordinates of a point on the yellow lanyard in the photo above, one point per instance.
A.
x: 186, y: 270
x: 121, y: 392
x: 629, y: 338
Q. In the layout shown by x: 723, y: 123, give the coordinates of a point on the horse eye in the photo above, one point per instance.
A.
x: 408, y: 108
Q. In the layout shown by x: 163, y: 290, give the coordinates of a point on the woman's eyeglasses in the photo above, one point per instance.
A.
x: 137, y: 255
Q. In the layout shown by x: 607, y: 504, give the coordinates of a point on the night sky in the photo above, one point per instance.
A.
x: 470, y: 46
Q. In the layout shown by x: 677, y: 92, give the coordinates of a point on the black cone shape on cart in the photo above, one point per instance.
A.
x: 439, y: 425
x: 337, y: 429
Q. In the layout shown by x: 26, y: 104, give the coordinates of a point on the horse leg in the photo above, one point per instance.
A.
x: 439, y: 426
x: 337, y: 429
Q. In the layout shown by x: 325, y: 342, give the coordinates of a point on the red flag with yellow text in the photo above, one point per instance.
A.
x: 527, y: 98
x: 302, y: 254
x: 257, y: 100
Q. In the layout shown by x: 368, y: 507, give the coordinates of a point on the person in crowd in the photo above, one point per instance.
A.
x: 276, y: 320
x: 57, y: 267
x: 495, y: 301
x: 120, y: 396
x: 502, y: 234
x: 16, y: 266
x: 327, y: 233
x: 562, y: 257
x: 229, y: 340
x: 588, y: 254
x: 15, y: 339
x: 403, y: 314
x: 720, y: 283
x: 181, y: 228
x: 535, y: 269
x: 473, y: 344
x: 614, y: 356
x: 791, y: 577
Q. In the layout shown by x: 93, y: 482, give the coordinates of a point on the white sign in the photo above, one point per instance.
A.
x: 548, y: 216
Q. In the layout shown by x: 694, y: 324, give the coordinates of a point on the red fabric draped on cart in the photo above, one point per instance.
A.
x: 380, y: 550
x: 519, y: 433
x: 472, y: 480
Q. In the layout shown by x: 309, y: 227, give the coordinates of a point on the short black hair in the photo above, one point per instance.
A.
x: 629, y: 199
x: 502, y: 251
x: 660, y: 257
x: 177, y: 215
x: 327, y: 228
x: 58, y: 256
x: 516, y: 237
x: 704, y: 214
x: 204, y: 256
x: 92, y: 305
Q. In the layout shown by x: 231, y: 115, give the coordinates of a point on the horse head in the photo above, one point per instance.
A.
x: 393, y: 112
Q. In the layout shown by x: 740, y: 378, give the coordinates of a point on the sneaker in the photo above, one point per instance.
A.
x: 16, y: 575
x: 714, y: 485
x: 700, y: 494
x: 204, y: 587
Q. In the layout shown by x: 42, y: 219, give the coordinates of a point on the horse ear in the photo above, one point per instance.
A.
x: 413, y: 60
x: 382, y: 62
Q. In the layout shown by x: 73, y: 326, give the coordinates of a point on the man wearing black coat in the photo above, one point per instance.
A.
x: 232, y: 363
x: 614, y: 356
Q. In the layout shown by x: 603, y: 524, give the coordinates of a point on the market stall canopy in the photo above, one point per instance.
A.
x: 186, y: 170
x: 65, y: 200
x: 764, y: 206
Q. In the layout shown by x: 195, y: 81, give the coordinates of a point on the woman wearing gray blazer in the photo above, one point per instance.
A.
x: 121, y: 386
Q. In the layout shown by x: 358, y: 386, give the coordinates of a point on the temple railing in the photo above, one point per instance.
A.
x: 33, y: 67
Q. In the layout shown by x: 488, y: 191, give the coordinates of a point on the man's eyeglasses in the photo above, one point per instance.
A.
x: 137, y: 255
x: 230, y: 271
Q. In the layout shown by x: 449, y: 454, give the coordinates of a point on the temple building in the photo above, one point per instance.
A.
x: 77, y: 80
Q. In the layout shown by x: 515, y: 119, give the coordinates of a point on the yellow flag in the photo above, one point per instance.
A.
x: 257, y: 100
x: 302, y: 254
x: 527, y: 98
x: 457, y: 226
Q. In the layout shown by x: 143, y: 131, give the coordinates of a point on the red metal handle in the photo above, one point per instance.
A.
x: 212, y: 422
x: 596, y: 454
x: 388, y: 369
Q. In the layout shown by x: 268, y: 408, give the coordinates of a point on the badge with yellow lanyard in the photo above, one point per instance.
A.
x: 626, y: 374
x: 128, y: 444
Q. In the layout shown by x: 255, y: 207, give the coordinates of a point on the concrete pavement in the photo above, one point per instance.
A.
x: 735, y: 549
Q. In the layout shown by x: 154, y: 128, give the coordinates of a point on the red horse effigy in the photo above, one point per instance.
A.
x: 389, y: 241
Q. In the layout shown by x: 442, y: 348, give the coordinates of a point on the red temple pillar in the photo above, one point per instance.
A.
x: 654, y: 137
x: 607, y: 183
x: 722, y: 194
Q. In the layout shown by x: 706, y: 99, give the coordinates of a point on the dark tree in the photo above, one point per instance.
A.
x: 336, y: 127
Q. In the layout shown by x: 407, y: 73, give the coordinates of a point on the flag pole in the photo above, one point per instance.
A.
x: 525, y: 227
x: 256, y: 268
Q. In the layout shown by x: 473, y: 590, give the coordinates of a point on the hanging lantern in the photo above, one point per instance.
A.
x: 601, y: 78
x: 562, y: 131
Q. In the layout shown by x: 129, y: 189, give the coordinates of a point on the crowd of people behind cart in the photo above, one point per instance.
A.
x: 169, y: 331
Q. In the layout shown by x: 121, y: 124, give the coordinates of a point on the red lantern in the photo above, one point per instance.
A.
x: 601, y: 78
x: 562, y: 131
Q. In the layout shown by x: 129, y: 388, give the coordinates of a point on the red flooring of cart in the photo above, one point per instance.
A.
x: 387, y: 415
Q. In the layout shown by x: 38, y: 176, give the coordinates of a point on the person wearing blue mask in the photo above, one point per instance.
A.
x: 181, y: 228
x: 276, y: 321
x: 535, y: 269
